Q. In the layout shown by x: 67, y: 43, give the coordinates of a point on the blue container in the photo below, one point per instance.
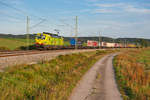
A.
x: 72, y: 41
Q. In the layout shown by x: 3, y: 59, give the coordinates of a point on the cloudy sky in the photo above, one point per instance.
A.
x: 112, y: 18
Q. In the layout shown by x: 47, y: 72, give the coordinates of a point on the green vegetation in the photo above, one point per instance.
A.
x: 13, y: 43
x: 132, y: 70
x: 143, y: 43
x: 47, y: 80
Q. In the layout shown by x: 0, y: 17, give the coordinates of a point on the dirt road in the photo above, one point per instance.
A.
x: 98, y: 83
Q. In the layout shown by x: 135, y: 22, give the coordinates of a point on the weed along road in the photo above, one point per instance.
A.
x: 98, y: 83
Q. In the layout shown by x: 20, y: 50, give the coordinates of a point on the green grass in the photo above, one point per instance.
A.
x: 132, y: 69
x: 13, y: 43
x: 47, y: 80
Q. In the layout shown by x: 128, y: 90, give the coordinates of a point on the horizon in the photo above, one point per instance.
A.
x: 86, y: 36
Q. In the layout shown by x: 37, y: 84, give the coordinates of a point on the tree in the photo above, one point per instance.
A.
x: 143, y: 43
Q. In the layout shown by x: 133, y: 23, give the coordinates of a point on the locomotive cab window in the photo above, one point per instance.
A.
x: 43, y: 37
x: 38, y: 37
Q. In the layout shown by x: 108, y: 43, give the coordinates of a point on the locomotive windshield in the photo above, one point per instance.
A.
x: 41, y: 37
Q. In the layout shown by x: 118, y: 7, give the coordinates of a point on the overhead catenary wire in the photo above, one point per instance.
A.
x: 71, y: 27
x: 37, y: 24
x: 11, y: 16
x: 19, y: 10
x: 24, y: 14
x: 66, y: 23
x: 16, y: 9
x: 27, y: 14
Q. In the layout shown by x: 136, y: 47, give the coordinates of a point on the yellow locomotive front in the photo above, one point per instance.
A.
x: 48, y: 40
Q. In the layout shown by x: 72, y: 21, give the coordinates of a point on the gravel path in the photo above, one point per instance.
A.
x: 34, y: 58
x: 98, y: 83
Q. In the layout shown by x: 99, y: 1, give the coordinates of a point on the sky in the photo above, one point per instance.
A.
x: 111, y: 18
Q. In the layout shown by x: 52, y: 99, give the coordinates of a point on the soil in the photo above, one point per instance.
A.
x: 98, y: 83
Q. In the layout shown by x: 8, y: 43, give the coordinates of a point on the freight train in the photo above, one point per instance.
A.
x: 91, y: 43
x: 47, y: 40
x: 53, y: 41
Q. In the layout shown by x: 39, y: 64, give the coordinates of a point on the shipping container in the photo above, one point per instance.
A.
x: 131, y: 45
x: 92, y: 43
x: 72, y: 41
x: 103, y: 44
x: 110, y: 45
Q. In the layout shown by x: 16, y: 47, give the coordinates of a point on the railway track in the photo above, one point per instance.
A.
x: 31, y: 52
x: 12, y: 58
x: 20, y: 53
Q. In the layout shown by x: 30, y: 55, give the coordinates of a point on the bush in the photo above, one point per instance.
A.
x: 4, y: 48
x: 31, y: 47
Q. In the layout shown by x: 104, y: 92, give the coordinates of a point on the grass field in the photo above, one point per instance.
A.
x: 47, y: 80
x: 13, y: 43
x: 132, y: 70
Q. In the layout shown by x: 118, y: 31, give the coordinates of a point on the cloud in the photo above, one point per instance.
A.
x: 84, y: 10
x: 92, y: 0
x: 118, y: 28
x: 109, y: 5
x: 119, y: 8
x: 14, y: 2
x: 104, y: 11
x: 134, y: 9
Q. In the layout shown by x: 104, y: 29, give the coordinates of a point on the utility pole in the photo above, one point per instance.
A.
x: 99, y: 40
x: 76, y: 32
x: 125, y: 43
x: 27, y: 33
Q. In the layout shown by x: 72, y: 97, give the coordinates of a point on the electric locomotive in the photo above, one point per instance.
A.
x: 49, y: 40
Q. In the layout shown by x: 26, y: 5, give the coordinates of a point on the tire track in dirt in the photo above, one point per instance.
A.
x: 98, y: 83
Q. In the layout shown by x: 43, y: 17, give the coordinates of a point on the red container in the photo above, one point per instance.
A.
x: 92, y: 43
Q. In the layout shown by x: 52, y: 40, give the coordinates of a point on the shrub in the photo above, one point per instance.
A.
x: 132, y: 74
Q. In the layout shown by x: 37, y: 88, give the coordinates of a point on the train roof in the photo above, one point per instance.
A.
x: 52, y: 35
